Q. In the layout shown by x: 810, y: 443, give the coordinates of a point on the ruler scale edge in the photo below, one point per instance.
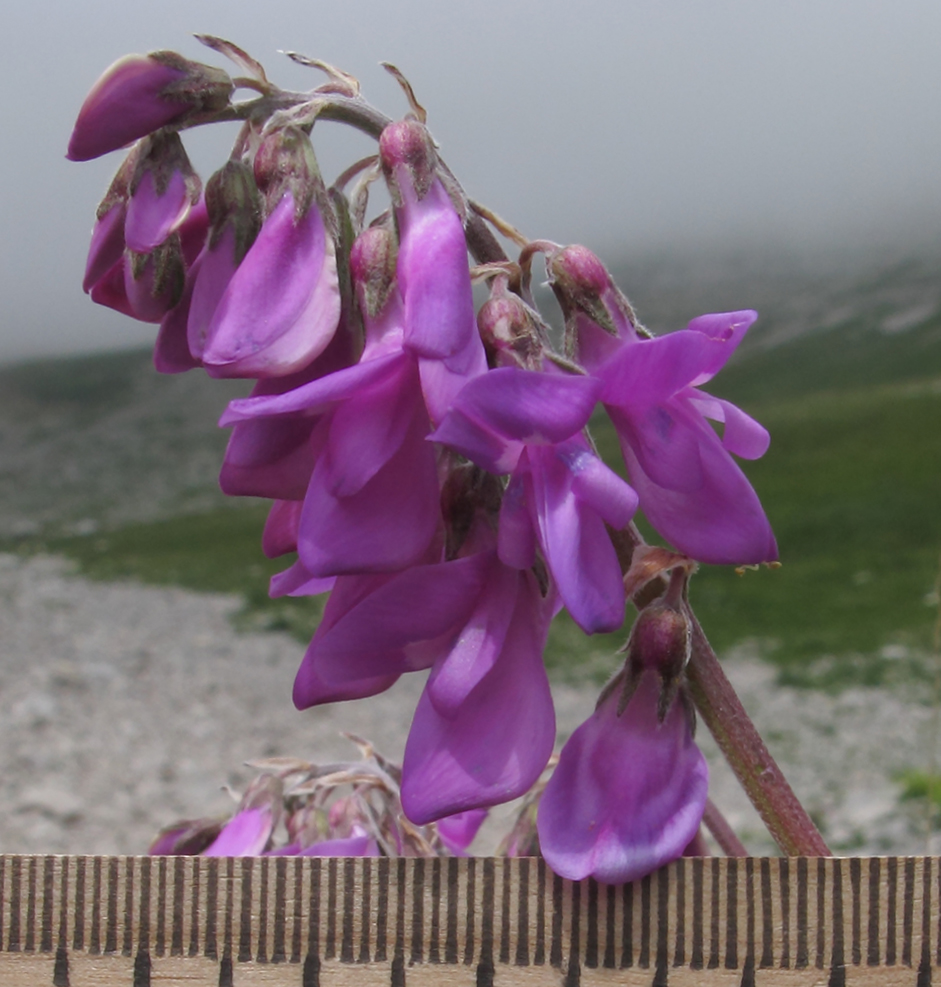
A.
x: 71, y: 920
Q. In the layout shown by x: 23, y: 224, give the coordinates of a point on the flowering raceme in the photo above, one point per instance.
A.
x: 431, y: 466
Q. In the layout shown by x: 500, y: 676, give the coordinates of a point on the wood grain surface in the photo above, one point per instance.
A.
x: 305, y: 922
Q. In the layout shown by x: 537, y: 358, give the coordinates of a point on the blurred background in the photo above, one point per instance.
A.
x: 717, y: 156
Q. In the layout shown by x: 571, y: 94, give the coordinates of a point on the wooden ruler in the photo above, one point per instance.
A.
x: 310, y: 922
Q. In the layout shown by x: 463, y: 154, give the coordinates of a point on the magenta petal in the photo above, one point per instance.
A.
x: 721, y: 522
x: 217, y: 265
x: 497, y: 743
x: 726, y: 328
x: 480, y: 642
x: 319, y: 395
x: 245, y: 835
x: 124, y: 104
x: 280, y: 534
x: 368, y: 430
x: 576, y: 545
x: 434, y: 277
x: 350, y: 846
x: 385, y: 526
x: 311, y: 690
x: 598, y: 486
x: 441, y: 383
x: 527, y: 406
x: 171, y: 350
x: 269, y: 457
x: 297, y: 581
x: 457, y: 832
x: 650, y: 371
x: 742, y: 434
x: 282, y: 306
x: 628, y: 793
x: 152, y: 217
x: 107, y: 246
x: 111, y: 292
x: 516, y: 537
x: 665, y: 439
x: 419, y: 604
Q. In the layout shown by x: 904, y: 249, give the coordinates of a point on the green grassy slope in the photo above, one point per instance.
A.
x: 852, y: 484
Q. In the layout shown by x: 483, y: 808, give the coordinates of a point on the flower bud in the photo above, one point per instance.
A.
x: 593, y: 305
x: 138, y: 94
x: 162, y: 192
x: 660, y: 641
x: 408, y: 160
x: 285, y: 162
x: 153, y: 282
x: 107, y: 240
x: 509, y: 330
x: 372, y: 267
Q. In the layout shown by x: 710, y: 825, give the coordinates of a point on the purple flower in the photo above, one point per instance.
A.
x: 528, y: 424
x: 137, y: 95
x: 457, y: 832
x: 372, y: 500
x: 433, y: 275
x: 690, y: 488
x: 376, y: 627
x: 485, y: 725
x: 628, y: 793
x: 155, y: 210
x: 278, y: 309
x: 274, y: 456
x: 249, y: 831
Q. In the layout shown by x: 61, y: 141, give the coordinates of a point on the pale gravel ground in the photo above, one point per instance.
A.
x: 125, y: 707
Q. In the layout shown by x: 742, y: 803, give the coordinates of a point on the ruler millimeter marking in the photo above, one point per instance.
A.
x: 307, y: 922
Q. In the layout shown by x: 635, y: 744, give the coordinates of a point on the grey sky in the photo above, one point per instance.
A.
x: 628, y: 125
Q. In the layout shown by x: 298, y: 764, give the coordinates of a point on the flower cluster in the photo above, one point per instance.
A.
x: 430, y: 464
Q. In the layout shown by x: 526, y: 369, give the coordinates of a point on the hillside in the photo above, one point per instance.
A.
x: 114, y: 466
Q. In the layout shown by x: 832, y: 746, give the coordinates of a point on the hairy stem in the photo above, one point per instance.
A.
x: 787, y: 820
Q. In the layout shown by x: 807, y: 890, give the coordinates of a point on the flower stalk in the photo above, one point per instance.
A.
x: 787, y: 820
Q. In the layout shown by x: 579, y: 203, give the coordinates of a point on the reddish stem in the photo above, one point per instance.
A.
x: 724, y: 835
x: 786, y: 819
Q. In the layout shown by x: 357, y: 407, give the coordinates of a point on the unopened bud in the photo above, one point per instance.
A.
x: 659, y: 642
x: 582, y: 284
x: 509, y: 328
x: 138, y: 94
x: 409, y: 160
x: 154, y: 281
x: 163, y: 190
x: 285, y: 162
x: 233, y: 199
x: 372, y: 266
